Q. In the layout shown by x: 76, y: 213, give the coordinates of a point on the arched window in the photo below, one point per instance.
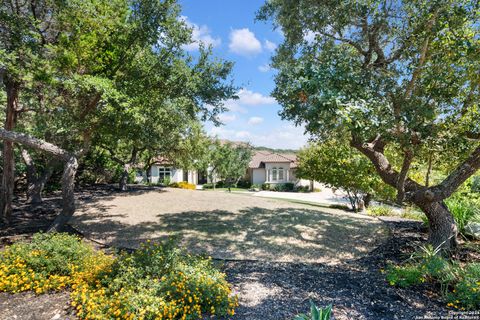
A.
x: 274, y: 174
x: 280, y: 174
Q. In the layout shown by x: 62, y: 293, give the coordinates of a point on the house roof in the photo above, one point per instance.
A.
x: 259, y: 159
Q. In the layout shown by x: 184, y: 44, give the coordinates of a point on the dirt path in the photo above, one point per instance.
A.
x: 231, y: 226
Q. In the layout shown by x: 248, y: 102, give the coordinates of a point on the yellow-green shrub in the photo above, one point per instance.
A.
x: 49, y: 262
x: 154, y: 282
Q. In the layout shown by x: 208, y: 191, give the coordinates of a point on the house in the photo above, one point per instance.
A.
x: 273, y: 168
x: 163, y: 169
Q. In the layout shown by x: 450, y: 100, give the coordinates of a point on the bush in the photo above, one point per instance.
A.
x: 244, y: 184
x: 49, y: 262
x: 266, y: 186
x: 303, y: 188
x: 463, y: 210
x: 166, y: 181
x: 183, y: 185
x: 460, y: 283
x: 283, y: 187
x: 156, y: 281
x: 380, y: 211
x: 256, y: 186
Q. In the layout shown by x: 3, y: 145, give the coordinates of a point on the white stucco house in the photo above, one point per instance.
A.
x: 163, y: 169
x: 274, y: 168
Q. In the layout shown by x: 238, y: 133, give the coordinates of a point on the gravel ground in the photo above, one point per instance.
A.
x: 231, y: 226
x: 268, y: 290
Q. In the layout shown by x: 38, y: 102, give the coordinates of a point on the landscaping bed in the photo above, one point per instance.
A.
x: 280, y: 290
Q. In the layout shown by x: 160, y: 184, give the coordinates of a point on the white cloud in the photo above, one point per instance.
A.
x: 264, y: 68
x: 226, y: 118
x: 281, y: 137
x: 254, y: 98
x: 247, y: 98
x: 244, y: 42
x: 255, y: 120
x: 200, y: 34
x: 271, y: 46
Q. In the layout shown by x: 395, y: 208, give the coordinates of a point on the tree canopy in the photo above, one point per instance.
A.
x: 383, y: 73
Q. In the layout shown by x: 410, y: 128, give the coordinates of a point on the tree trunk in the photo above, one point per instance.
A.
x: 68, y: 195
x: 69, y: 172
x: 124, y: 178
x: 443, y: 230
x: 36, y: 183
x: 8, y: 175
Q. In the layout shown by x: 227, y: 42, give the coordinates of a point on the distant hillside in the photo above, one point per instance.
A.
x: 275, y: 150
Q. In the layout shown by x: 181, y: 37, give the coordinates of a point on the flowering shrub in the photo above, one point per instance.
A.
x: 49, y: 262
x: 154, y: 282
x: 183, y: 185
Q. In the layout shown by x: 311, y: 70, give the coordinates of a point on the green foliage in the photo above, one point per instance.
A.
x: 49, y: 262
x: 466, y: 291
x: 341, y: 167
x: 460, y: 283
x: 378, y: 211
x: 282, y: 187
x: 154, y: 281
x: 316, y: 313
x: 464, y: 210
x: 157, y: 281
x: 229, y: 161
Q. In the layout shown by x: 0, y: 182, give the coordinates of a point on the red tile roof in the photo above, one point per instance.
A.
x: 259, y: 159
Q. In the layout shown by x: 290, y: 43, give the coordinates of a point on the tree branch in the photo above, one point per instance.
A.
x: 452, y: 182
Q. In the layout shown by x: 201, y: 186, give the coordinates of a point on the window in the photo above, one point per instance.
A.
x: 163, y: 173
x: 274, y: 174
x: 280, y: 174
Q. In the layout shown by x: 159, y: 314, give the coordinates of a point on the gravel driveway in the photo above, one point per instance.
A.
x: 230, y: 226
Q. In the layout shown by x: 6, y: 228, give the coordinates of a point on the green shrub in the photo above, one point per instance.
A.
x: 266, y: 186
x: 466, y: 291
x: 156, y: 281
x: 166, y: 181
x: 243, y: 184
x: 404, y: 276
x: 460, y: 283
x: 380, y: 211
x: 49, y: 262
x: 463, y: 210
x: 282, y: 187
x: 316, y: 313
x: 303, y: 188
x: 256, y: 186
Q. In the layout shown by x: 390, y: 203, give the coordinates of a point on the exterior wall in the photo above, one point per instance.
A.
x: 258, y: 176
x: 286, y: 172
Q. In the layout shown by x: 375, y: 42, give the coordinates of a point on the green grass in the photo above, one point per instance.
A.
x: 226, y: 189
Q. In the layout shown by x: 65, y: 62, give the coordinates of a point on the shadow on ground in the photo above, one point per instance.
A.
x: 283, y: 234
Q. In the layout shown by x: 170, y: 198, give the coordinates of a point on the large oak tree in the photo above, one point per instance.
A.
x: 404, y: 74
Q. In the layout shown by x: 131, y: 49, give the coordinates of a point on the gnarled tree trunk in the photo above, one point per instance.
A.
x: 69, y: 172
x: 443, y: 230
x: 68, y: 195
x: 36, y: 182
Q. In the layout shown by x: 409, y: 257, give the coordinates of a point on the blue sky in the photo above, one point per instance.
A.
x: 230, y: 28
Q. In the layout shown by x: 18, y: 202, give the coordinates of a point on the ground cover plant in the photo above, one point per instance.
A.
x: 158, y: 281
x: 459, y: 282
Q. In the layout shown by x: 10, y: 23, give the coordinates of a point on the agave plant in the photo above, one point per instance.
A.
x: 316, y: 313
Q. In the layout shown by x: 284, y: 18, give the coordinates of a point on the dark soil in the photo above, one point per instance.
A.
x: 356, y: 289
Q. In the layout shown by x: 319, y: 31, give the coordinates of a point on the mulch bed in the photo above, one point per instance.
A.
x: 357, y: 289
